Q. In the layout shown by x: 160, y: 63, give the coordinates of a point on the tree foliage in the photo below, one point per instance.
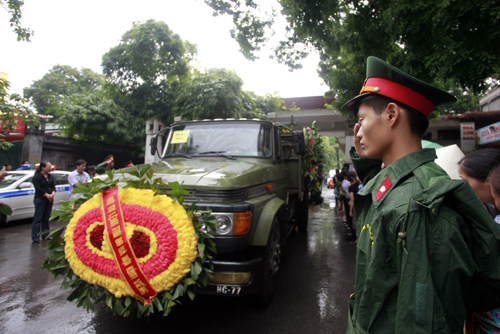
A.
x: 250, y: 28
x: 146, y: 76
x: 96, y: 118
x: 217, y: 93
x: 149, y: 52
x: 466, y: 100
x: 12, y: 108
x: 433, y: 40
x: 59, y: 82
x: 13, y: 7
x: 144, y: 70
x: 331, y: 148
x: 267, y: 103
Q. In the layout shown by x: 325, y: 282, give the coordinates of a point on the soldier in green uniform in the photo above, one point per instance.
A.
x: 107, y: 164
x: 426, y: 247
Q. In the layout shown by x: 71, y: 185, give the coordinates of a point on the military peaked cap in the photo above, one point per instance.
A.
x: 384, y: 79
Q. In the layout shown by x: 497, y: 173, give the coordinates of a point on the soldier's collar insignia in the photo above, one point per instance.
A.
x: 383, y: 188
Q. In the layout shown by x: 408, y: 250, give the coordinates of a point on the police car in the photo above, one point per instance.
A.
x: 17, y: 191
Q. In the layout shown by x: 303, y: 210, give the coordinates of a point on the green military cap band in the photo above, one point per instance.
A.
x: 109, y: 158
x: 384, y: 79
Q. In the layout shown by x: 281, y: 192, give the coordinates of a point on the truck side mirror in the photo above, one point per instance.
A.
x: 153, y: 143
x: 299, y: 144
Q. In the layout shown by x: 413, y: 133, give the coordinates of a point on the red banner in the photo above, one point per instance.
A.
x: 124, y: 256
x: 19, y: 128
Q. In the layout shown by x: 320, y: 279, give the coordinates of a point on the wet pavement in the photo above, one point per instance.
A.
x: 315, y: 281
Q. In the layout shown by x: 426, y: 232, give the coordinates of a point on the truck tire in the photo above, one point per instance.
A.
x: 303, y: 213
x: 270, y: 267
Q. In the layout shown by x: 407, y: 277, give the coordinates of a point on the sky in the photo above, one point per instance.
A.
x: 78, y: 33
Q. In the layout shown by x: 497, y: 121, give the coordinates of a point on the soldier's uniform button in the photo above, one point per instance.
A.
x: 434, y: 212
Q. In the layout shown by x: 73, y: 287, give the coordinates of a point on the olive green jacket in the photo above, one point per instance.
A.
x: 422, y: 239
x: 101, y: 168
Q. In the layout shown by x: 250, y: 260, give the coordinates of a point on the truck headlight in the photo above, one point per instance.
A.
x: 224, y: 224
x: 229, y: 223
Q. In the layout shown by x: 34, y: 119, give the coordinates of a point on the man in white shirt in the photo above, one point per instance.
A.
x: 345, y: 185
x: 77, y: 176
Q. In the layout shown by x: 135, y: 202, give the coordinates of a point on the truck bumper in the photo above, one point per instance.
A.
x: 253, y: 267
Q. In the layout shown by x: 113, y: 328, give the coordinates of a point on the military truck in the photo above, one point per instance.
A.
x: 248, y: 172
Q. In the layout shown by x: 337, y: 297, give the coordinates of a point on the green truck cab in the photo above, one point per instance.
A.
x: 248, y: 172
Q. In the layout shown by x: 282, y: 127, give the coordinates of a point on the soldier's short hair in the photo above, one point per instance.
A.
x: 418, y: 121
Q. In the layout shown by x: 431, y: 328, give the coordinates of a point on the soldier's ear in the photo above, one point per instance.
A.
x: 392, y: 113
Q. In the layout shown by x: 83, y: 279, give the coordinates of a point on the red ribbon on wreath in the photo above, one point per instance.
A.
x: 123, y: 254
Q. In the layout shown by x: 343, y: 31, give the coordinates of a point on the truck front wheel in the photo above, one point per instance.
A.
x: 271, y: 265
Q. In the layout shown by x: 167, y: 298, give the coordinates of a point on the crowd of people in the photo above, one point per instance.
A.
x: 346, y: 185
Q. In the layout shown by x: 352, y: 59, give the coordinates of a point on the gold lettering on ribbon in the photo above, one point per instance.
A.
x: 110, y: 201
x: 123, y: 254
x: 122, y: 250
x: 119, y: 241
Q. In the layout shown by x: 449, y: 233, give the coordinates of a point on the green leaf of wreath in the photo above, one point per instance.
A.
x: 5, y: 209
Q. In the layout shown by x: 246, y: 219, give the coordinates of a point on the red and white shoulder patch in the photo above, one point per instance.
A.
x: 386, y: 185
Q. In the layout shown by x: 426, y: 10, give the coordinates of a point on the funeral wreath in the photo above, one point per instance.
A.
x: 131, y: 246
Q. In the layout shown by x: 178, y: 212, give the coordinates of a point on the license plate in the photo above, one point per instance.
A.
x: 228, y: 290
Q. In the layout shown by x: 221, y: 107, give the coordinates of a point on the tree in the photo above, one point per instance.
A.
x: 60, y: 81
x: 13, y: 7
x: 433, y: 40
x: 250, y: 28
x: 13, y: 107
x: 148, y: 76
x: 218, y: 93
x: 267, y: 103
x: 466, y: 100
x: 92, y: 116
x: 330, y: 149
x: 144, y: 70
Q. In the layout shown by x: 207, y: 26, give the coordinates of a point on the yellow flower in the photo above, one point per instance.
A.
x: 173, y: 211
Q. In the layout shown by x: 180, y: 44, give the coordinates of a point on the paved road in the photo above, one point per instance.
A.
x: 316, y: 279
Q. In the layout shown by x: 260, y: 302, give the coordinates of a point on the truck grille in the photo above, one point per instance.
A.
x: 217, y: 195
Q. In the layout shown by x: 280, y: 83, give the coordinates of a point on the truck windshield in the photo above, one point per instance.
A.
x: 232, y: 139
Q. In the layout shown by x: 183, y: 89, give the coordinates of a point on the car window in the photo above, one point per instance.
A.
x: 60, y: 178
x: 29, y: 181
x: 10, y: 179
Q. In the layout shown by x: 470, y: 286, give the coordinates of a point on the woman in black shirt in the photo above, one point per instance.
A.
x: 45, y: 190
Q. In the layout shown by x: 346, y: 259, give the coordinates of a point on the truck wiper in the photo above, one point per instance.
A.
x: 221, y: 153
x: 178, y: 155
